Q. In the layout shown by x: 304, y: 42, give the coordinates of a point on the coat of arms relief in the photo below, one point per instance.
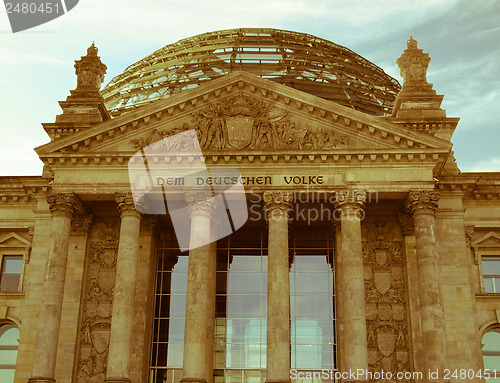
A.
x: 245, y: 122
x: 386, y: 297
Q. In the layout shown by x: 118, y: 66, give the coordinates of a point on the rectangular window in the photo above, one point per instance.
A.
x: 491, y: 274
x: 12, y: 266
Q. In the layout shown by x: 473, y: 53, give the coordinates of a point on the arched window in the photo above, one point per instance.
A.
x: 9, y: 342
x: 491, y: 353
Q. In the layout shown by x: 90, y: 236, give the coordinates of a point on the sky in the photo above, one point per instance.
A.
x: 461, y: 36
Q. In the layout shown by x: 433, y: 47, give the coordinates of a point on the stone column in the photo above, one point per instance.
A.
x: 120, y: 339
x: 200, y: 298
x: 423, y: 205
x: 62, y: 207
x: 211, y: 286
x: 278, y: 205
x: 350, y: 286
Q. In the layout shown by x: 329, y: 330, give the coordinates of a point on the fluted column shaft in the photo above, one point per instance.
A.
x: 350, y: 286
x: 62, y: 207
x: 200, y: 298
x: 122, y: 320
x: 423, y: 205
x: 278, y: 205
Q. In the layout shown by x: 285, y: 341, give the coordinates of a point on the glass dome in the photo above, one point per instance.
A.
x: 301, y: 61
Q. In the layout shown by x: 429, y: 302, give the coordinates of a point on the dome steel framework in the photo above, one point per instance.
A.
x: 301, y: 61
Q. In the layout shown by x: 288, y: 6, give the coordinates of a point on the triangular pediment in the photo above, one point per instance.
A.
x: 242, y: 113
x: 489, y: 240
x: 13, y: 240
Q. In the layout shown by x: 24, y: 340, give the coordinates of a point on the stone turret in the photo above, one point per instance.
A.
x: 90, y: 71
x: 417, y: 105
x: 85, y: 105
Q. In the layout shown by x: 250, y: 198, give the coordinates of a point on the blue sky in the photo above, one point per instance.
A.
x: 462, y: 38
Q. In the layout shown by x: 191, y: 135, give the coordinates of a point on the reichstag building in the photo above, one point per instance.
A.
x: 304, y: 221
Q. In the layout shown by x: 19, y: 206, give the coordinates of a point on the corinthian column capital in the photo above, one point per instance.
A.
x: 349, y: 202
x: 63, y: 204
x: 278, y: 200
x: 200, y: 203
x: 126, y: 204
x: 422, y: 202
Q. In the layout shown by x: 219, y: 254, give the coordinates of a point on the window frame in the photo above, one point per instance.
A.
x: 494, y: 328
x: 488, y: 256
x: 487, y: 246
x: 22, y: 248
x: 12, y: 253
x: 9, y: 347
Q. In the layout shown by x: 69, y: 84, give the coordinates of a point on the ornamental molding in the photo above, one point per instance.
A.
x: 197, y: 103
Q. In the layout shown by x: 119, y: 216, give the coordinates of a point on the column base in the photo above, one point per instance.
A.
x: 193, y: 380
x: 40, y: 379
x: 117, y: 380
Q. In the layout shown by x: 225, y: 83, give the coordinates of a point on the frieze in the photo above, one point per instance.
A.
x: 385, y: 297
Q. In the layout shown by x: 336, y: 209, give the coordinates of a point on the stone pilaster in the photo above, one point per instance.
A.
x: 120, y: 340
x: 200, y: 298
x: 408, y: 231
x: 423, y: 205
x: 350, y: 283
x: 278, y: 204
x: 62, y: 208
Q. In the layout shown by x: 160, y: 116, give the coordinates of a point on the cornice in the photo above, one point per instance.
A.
x: 475, y: 186
x: 357, y: 156
x: 22, y: 189
x: 366, y: 126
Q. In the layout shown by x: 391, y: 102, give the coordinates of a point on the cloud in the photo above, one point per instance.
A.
x: 492, y: 164
x: 461, y: 37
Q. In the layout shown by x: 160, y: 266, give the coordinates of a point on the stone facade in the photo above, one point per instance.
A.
x: 410, y: 230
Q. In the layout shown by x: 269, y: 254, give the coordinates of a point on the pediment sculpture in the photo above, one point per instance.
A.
x: 244, y: 122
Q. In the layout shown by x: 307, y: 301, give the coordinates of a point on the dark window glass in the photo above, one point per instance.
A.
x: 12, y: 266
x: 491, y: 274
